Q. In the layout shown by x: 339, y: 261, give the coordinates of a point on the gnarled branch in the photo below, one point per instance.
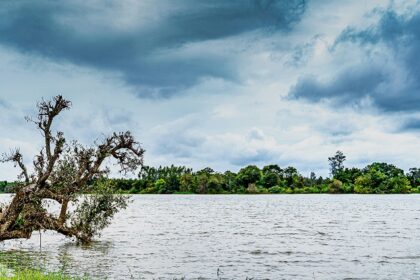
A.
x: 17, y: 158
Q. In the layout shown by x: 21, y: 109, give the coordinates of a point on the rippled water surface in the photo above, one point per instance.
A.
x: 234, y: 237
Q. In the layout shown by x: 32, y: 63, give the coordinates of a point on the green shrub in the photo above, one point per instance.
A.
x: 276, y: 189
x: 336, y: 186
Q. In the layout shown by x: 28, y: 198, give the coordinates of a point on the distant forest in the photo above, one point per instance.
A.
x: 376, y: 178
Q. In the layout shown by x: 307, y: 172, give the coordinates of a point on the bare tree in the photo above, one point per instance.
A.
x: 61, y: 172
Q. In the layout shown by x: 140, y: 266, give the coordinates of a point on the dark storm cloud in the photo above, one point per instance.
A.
x: 349, y: 85
x: 412, y: 124
x: 84, y: 34
x: 398, y: 35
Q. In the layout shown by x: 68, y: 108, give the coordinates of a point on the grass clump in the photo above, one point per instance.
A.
x: 35, y: 275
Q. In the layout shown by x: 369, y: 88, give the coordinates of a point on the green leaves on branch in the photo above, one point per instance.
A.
x: 95, y: 210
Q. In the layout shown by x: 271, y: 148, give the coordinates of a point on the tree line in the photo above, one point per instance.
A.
x: 6, y: 187
x: 375, y: 178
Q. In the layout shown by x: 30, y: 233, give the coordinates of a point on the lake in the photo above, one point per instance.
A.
x: 239, y: 236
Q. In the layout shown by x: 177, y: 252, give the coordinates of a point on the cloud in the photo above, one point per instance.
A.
x: 182, y: 139
x: 302, y: 53
x: 152, y: 54
x: 4, y: 104
x: 399, y: 33
x: 118, y: 117
x: 386, y: 73
x: 411, y: 124
x: 234, y: 61
x: 351, y: 85
x: 178, y: 138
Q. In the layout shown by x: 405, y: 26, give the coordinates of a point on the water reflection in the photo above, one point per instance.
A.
x: 99, y: 251
x: 22, y: 259
x: 69, y: 257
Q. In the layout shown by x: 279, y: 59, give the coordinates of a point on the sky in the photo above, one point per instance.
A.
x: 216, y: 83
